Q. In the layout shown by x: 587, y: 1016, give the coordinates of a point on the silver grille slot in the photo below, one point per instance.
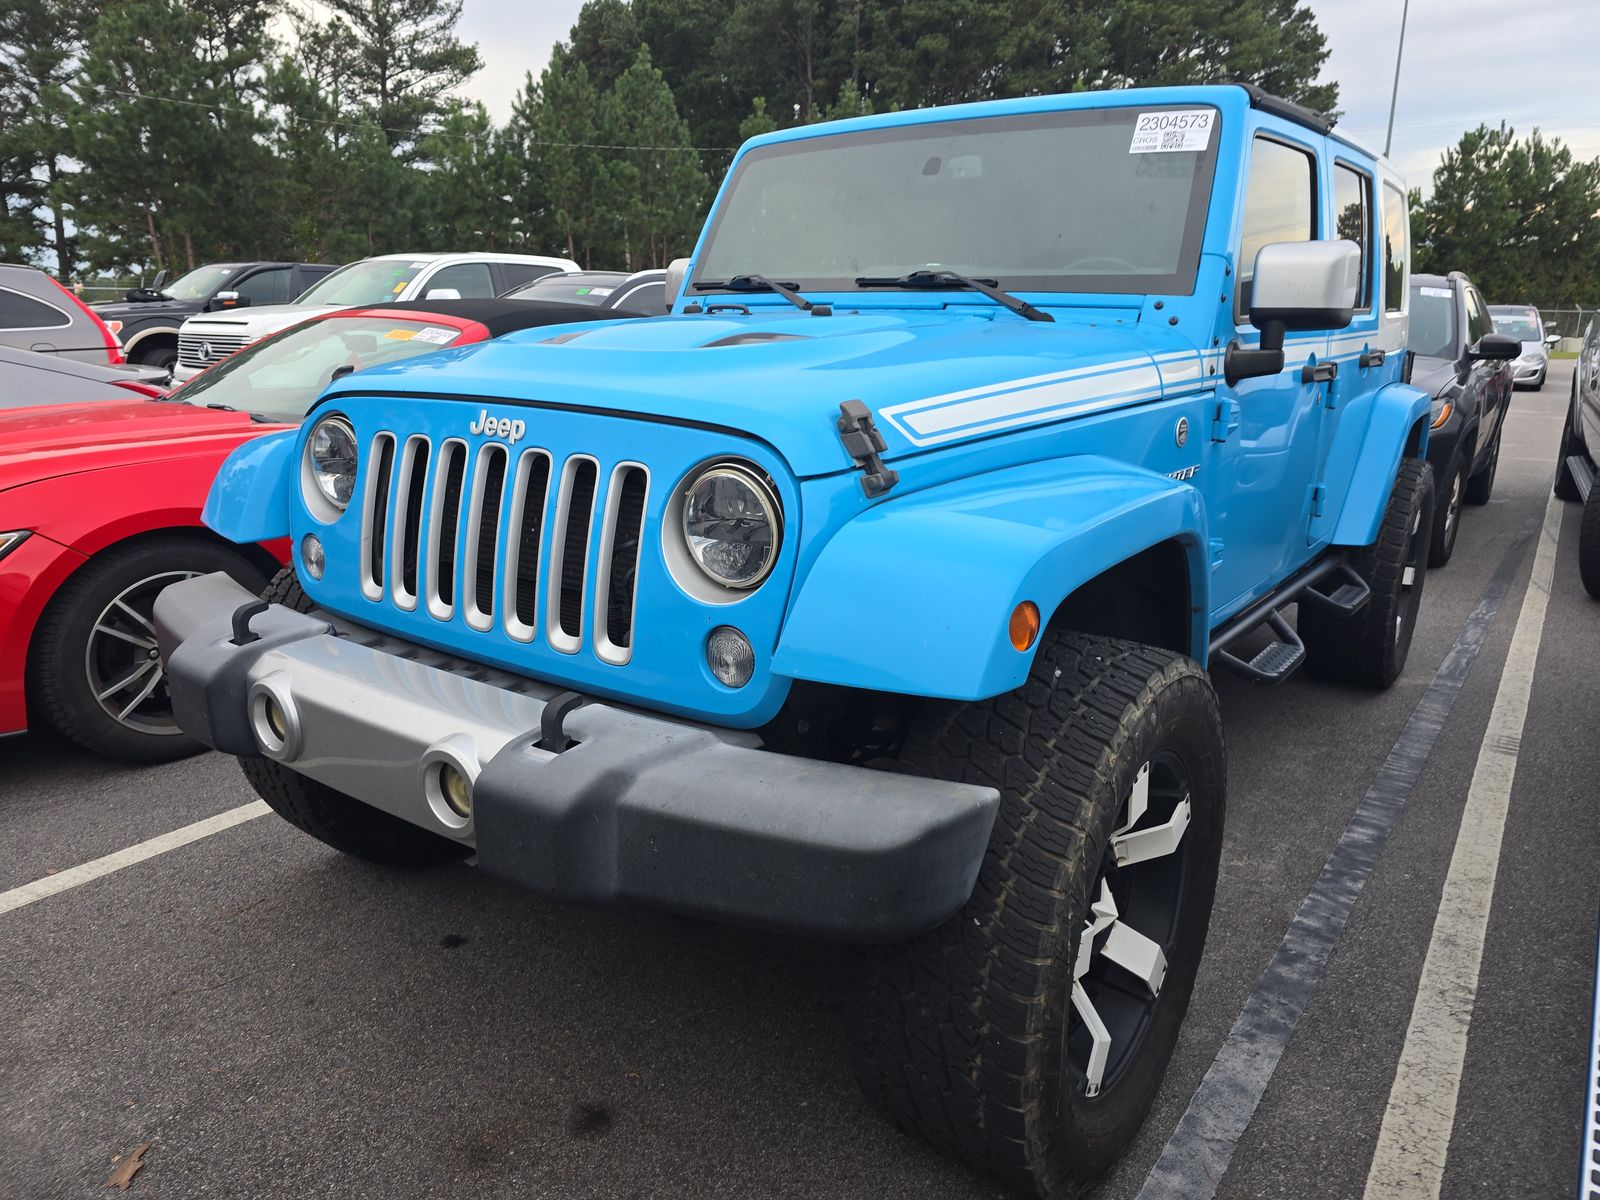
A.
x: 615, y: 584
x: 530, y: 493
x: 444, y: 519
x: 375, y: 516
x: 483, y: 537
x: 410, y: 487
x: 569, y: 554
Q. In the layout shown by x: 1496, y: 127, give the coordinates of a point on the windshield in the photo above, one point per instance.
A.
x: 572, y: 291
x: 1432, y: 331
x: 280, y: 376
x: 373, y: 281
x: 1099, y: 200
x: 1524, y: 329
x: 201, y: 282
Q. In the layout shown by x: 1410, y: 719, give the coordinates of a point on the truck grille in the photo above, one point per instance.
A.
x: 504, y: 538
x: 203, y: 349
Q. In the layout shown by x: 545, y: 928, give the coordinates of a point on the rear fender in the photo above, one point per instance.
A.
x: 249, y: 501
x: 1396, y: 427
x: 914, y: 595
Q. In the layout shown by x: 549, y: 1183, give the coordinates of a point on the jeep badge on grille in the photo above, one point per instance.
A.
x: 503, y: 427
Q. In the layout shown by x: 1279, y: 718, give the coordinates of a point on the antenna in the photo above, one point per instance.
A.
x: 1394, y: 96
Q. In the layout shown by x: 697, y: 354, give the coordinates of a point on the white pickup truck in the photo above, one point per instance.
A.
x: 208, y: 338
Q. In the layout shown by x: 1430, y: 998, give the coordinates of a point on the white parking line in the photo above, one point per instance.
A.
x: 1415, y: 1137
x: 77, y: 876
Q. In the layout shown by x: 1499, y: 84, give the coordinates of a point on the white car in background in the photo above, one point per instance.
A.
x: 208, y: 338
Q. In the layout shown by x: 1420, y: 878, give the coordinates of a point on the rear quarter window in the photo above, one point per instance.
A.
x: 24, y: 312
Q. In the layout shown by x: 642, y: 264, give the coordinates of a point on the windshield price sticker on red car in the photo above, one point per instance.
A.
x: 1165, y: 132
x: 438, y: 335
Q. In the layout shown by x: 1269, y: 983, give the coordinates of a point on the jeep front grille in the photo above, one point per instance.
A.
x: 465, y: 528
x: 203, y: 349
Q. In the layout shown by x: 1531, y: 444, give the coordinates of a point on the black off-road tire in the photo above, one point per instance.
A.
x: 1481, y: 486
x: 1452, y: 489
x: 165, y: 357
x: 330, y: 816
x: 1589, y: 544
x: 1566, y: 486
x: 1371, y: 646
x: 959, y: 1036
x: 60, y: 691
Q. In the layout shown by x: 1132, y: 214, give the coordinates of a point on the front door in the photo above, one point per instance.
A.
x: 1259, y: 487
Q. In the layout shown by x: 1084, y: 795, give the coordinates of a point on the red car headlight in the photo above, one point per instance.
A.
x: 10, y: 541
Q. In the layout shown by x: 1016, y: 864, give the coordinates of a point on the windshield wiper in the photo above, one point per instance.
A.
x: 941, y: 279
x: 760, y: 283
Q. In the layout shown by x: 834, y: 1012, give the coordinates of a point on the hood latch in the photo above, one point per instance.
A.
x: 865, y: 446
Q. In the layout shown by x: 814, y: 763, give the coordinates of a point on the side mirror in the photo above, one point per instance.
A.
x: 443, y: 294
x: 1495, y: 347
x: 226, y: 300
x: 160, y: 281
x: 1552, y: 338
x: 677, y: 270
x: 1297, y: 287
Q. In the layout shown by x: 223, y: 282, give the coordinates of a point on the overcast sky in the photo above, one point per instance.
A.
x: 1466, y: 61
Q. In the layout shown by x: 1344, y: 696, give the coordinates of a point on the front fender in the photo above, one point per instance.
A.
x: 249, y: 500
x: 914, y: 595
x: 1397, y: 410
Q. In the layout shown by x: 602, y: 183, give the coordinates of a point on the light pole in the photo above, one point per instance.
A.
x: 1394, y: 96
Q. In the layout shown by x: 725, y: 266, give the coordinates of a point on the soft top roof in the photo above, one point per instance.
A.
x: 500, y: 316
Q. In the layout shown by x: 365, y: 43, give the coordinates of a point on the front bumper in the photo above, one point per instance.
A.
x: 1527, y: 372
x: 638, y: 809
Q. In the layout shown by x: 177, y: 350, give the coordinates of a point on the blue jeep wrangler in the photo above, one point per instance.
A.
x: 871, y: 594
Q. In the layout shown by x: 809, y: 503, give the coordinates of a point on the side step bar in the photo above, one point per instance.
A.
x: 1331, y: 583
x: 1581, y: 474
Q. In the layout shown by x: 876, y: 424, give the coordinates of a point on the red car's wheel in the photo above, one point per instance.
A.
x: 95, y: 674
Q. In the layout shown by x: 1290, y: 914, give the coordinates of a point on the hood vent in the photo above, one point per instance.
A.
x: 754, y: 336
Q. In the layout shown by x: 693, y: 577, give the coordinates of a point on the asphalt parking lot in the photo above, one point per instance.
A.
x: 278, y: 1020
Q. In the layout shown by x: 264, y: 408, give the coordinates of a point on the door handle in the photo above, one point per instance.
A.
x: 1322, y: 372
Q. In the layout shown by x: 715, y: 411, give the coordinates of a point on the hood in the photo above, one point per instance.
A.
x: 63, y: 439
x: 1532, y: 349
x: 931, y: 377
x: 255, y: 322
x: 1433, y: 375
x: 126, y: 310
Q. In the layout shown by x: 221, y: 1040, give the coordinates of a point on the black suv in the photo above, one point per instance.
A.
x: 147, y: 319
x: 1466, y: 365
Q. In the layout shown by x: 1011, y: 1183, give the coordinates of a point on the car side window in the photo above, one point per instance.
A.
x: 1352, y: 220
x: 1478, y: 322
x: 24, y: 312
x: 516, y: 274
x: 1396, y: 248
x: 470, y: 280
x: 267, y: 287
x: 1279, y: 206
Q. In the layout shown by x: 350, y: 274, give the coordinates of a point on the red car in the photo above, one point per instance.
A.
x: 100, y: 509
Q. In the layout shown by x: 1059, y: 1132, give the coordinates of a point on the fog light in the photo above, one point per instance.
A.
x: 277, y: 723
x: 730, y: 657
x: 455, y: 789
x: 312, y: 555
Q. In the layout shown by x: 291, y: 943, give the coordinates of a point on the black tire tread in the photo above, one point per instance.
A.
x: 1589, y: 543
x: 1566, y: 486
x: 1361, y: 648
x: 1480, y: 487
x: 949, y: 1033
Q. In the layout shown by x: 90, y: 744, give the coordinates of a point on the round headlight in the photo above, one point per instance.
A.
x: 331, y: 450
x: 732, y: 524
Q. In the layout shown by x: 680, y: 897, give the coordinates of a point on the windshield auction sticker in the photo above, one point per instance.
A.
x: 1165, y: 132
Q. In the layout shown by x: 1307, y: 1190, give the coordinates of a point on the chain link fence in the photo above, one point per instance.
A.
x: 1570, y: 324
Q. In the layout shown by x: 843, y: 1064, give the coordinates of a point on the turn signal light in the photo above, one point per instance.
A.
x: 1445, y: 410
x: 1024, y: 625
